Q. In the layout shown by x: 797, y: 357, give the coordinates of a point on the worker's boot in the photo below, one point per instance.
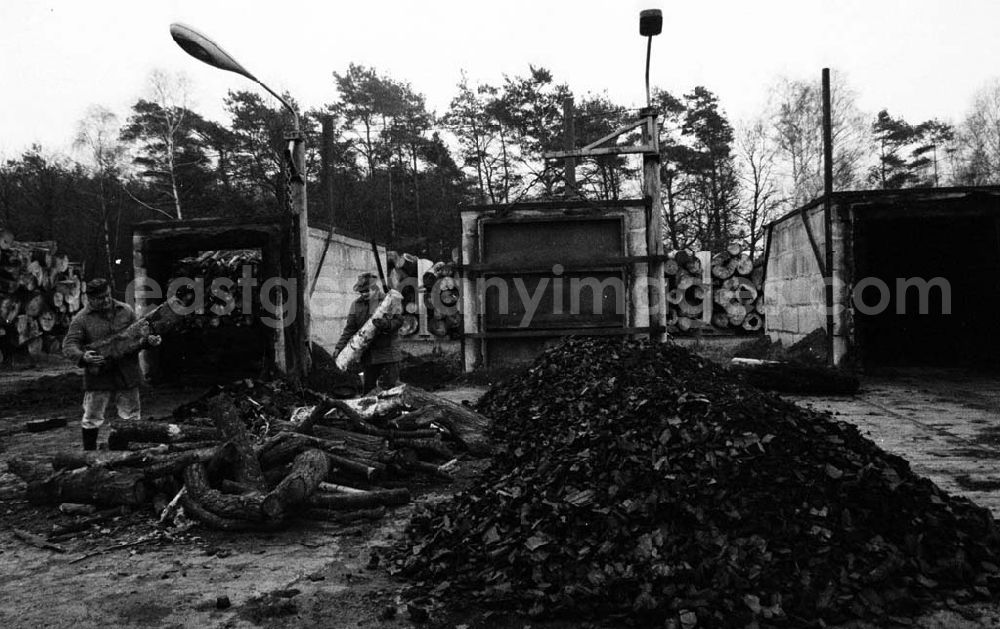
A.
x: 90, y: 438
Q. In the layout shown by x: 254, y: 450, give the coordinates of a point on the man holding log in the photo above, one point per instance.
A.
x: 102, y: 318
x: 380, y: 360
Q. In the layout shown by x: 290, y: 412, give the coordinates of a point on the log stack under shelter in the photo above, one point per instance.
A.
x: 724, y: 296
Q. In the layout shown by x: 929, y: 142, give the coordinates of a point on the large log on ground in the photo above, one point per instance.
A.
x: 285, y: 446
x: 152, y: 462
x: 420, y: 418
x: 247, y: 468
x: 91, y: 485
x: 428, y: 448
x: 317, y: 413
x: 124, y: 432
x: 390, y: 306
x: 467, y: 426
x: 161, y: 320
x: 364, y: 500
x: 228, y: 506
x: 308, y: 470
x: 355, y: 443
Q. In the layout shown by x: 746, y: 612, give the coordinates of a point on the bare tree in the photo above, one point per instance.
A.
x: 97, y: 134
x: 978, y: 155
x: 755, y: 154
x: 796, y: 113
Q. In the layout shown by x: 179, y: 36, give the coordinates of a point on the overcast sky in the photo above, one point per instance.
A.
x: 918, y: 58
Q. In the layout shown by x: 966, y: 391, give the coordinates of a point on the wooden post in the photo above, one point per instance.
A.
x: 299, y: 349
x: 569, y: 141
x: 828, y: 211
x: 654, y: 226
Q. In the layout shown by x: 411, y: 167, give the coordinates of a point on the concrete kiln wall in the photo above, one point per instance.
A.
x: 333, y: 292
x: 794, y: 297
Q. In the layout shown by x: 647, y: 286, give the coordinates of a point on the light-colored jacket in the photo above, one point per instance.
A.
x: 88, y: 327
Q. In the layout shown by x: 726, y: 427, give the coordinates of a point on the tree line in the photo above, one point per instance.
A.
x: 383, y: 165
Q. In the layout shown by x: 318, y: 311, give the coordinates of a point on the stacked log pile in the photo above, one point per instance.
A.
x: 440, y: 295
x: 642, y: 481
x: 226, y: 305
x: 736, y: 291
x: 40, y: 291
x: 253, y: 455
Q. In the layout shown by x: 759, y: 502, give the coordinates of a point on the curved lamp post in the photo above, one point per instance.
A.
x: 292, y: 355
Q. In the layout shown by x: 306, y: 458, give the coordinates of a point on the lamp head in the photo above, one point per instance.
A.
x: 205, y: 50
x: 650, y: 22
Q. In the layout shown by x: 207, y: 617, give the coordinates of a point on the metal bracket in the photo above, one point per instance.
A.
x: 594, y: 148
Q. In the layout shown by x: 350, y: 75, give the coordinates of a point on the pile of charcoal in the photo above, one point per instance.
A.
x: 642, y: 482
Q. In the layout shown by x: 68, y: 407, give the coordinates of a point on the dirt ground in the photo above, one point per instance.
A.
x: 946, y: 423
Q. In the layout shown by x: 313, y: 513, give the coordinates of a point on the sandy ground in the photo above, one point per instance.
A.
x: 320, y: 575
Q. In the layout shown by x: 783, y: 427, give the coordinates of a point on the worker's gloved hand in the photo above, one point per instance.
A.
x: 91, y: 357
x: 154, y: 340
x: 380, y: 324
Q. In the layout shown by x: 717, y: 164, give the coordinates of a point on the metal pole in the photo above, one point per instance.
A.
x: 649, y: 49
x: 828, y: 211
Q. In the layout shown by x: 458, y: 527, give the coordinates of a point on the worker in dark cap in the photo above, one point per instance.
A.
x: 380, y: 362
x: 104, y: 377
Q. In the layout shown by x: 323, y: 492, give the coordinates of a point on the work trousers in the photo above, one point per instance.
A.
x: 385, y: 375
x: 95, y: 403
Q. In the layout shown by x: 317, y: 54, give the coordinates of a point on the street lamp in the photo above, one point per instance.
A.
x: 203, y: 49
x: 650, y: 25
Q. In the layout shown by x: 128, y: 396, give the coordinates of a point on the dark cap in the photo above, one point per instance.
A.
x: 366, y: 281
x: 97, y: 286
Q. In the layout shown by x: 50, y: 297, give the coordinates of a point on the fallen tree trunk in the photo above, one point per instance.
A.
x: 317, y: 413
x: 246, y: 507
x: 308, y: 470
x: 91, y: 485
x: 466, y: 425
x: 354, y: 442
x: 369, y: 472
x: 247, y: 470
x: 285, y: 446
x: 152, y: 462
x: 124, y: 432
x: 420, y: 418
x: 433, y: 448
